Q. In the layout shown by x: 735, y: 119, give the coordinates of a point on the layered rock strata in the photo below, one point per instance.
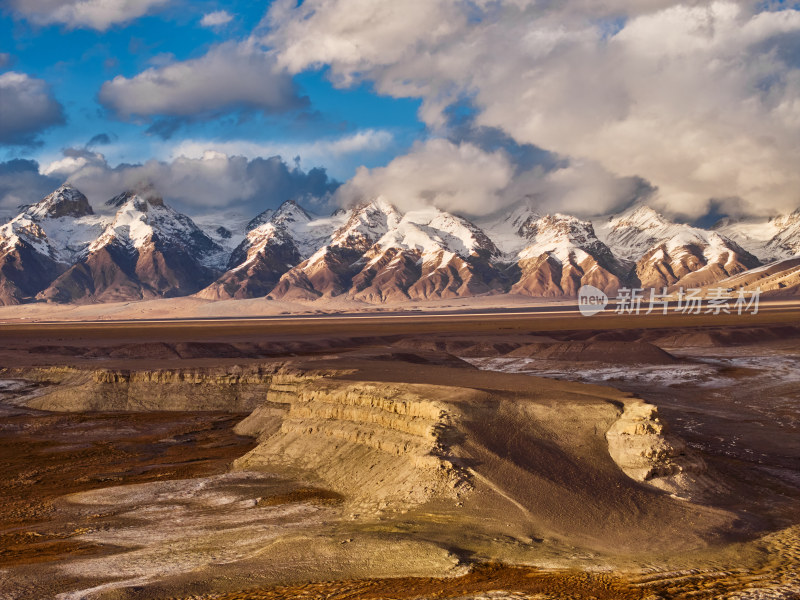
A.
x: 640, y: 443
x: 376, y: 444
x: 234, y: 389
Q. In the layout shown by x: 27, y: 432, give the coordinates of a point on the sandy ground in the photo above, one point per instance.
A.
x: 198, y: 308
x: 190, y: 307
x: 146, y: 505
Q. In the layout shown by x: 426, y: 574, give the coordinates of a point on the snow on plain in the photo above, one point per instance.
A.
x: 656, y: 374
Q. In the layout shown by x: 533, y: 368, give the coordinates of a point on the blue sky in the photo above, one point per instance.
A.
x: 75, y: 62
x: 581, y: 107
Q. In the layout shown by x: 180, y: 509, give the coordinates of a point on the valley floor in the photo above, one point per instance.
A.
x: 501, y: 456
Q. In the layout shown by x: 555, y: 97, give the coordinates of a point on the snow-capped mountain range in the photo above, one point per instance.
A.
x: 668, y: 254
x: 59, y: 250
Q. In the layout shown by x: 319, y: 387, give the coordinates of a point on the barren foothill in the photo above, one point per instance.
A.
x: 384, y: 459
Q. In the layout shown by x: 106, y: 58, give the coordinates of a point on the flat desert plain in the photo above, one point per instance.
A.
x: 494, y: 452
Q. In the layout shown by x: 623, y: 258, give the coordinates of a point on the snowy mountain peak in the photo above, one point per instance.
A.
x: 143, y: 198
x: 637, y: 230
x: 640, y: 230
x: 383, y: 205
x: 120, y: 199
x: 521, y: 215
x: 557, y: 224
x: 560, y: 235
x: 135, y: 203
x: 60, y: 226
x: 770, y: 239
x: 66, y: 201
x: 431, y: 230
x: 142, y: 221
x: 506, y: 230
x: 24, y: 230
x: 259, y: 220
x: 290, y: 212
x: 786, y: 241
x: 668, y: 253
x: 641, y: 217
x: 366, y: 224
x: 290, y: 226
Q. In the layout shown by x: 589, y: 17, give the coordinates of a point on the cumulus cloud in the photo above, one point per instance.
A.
x: 218, y: 18
x: 329, y: 151
x: 463, y: 178
x: 581, y: 188
x: 700, y: 98
x: 211, y: 181
x: 21, y: 184
x: 230, y: 76
x: 454, y: 177
x: 27, y: 108
x: 91, y: 14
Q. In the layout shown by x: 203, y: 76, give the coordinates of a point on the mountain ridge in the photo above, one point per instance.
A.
x: 59, y: 250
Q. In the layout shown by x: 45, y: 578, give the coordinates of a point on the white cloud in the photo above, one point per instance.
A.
x: 213, y: 180
x: 21, y: 183
x: 27, y: 107
x: 465, y: 179
x: 229, y: 76
x: 316, y: 152
x: 455, y: 177
x: 701, y: 98
x: 357, y: 34
x: 93, y: 14
x: 217, y: 18
x: 581, y: 188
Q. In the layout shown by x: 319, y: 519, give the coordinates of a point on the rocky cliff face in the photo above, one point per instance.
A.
x: 501, y: 455
x: 235, y: 389
x: 377, y: 444
x: 643, y: 448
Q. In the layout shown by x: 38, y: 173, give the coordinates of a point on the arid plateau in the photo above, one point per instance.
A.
x: 516, y: 452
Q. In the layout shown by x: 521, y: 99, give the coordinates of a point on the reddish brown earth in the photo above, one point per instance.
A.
x: 48, y: 455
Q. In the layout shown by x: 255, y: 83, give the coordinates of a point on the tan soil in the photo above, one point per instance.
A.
x: 92, y: 497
